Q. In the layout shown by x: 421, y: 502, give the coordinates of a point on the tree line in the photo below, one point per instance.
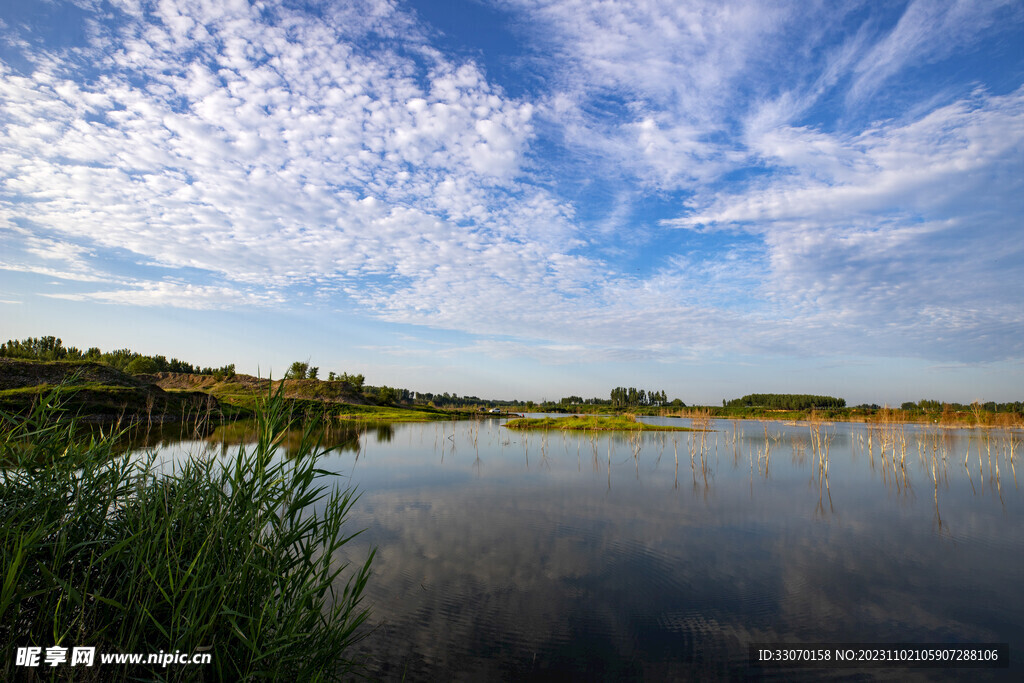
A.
x: 933, y: 406
x: 384, y: 395
x: 623, y: 397
x: 53, y: 349
x: 303, y: 370
x: 567, y: 401
x: 785, y: 402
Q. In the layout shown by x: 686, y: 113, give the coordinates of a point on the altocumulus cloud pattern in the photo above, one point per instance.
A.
x: 828, y: 178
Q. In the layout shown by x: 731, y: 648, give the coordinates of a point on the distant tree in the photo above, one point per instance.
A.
x: 225, y: 372
x: 627, y: 397
x: 126, y: 360
x: 141, y: 365
x: 39, y: 348
x: 312, y: 372
x: 786, y: 401
x: 119, y: 358
x: 298, y: 370
x: 355, y: 381
x: 175, y: 365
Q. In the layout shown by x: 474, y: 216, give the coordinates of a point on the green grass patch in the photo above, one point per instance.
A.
x: 389, y: 413
x: 317, y: 409
x: 591, y: 422
x: 234, y: 557
x: 41, y: 389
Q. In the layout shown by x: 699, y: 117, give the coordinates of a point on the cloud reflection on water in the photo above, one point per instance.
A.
x: 521, y: 571
x: 518, y: 555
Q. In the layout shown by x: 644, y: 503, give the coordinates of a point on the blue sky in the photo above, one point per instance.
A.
x: 526, y: 198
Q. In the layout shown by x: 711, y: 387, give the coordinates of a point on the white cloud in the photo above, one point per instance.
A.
x: 340, y: 151
x: 651, y: 88
x: 937, y: 162
x: 899, y: 230
x: 251, y: 148
x: 39, y: 255
x: 176, y: 295
x: 927, y: 31
x: 54, y: 272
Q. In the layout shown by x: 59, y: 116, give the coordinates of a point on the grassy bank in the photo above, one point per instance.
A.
x: 945, y: 416
x: 369, y: 413
x: 103, y: 394
x: 590, y: 422
x: 330, y: 411
x: 942, y: 418
x: 225, y: 557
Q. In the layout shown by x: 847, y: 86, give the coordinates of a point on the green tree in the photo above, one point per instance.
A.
x: 226, y: 372
x: 141, y: 365
x: 787, y: 401
x: 119, y: 358
x: 39, y: 348
x: 386, y: 395
x: 298, y: 370
x: 355, y: 381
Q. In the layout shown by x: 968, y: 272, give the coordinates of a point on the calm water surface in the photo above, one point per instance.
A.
x: 508, y: 555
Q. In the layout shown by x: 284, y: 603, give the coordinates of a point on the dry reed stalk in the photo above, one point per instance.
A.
x: 675, y: 450
x: 988, y: 450
x: 981, y: 469
x: 767, y: 449
x: 799, y: 451
x: 693, y: 469
x: 871, y: 449
x: 1012, y: 467
x: 149, y: 411
x: 999, y: 486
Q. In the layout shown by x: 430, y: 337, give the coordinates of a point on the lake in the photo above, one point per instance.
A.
x: 509, y: 555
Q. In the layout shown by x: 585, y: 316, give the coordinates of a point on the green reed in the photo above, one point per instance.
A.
x: 233, y: 557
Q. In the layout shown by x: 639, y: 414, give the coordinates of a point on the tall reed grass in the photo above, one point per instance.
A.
x: 235, y: 557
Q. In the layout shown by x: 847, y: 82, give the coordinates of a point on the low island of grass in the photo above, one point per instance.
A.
x: 591, y: 422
